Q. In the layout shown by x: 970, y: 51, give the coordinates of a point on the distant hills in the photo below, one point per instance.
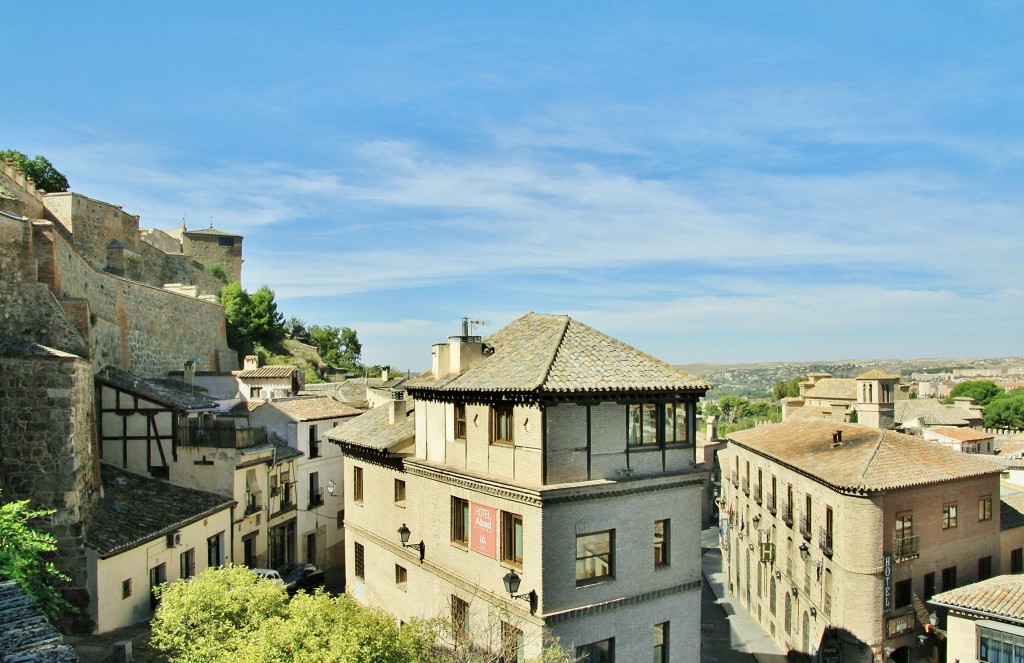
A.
x: 757, y: 379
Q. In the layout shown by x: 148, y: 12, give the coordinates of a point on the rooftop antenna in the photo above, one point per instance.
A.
x: 469, y: 325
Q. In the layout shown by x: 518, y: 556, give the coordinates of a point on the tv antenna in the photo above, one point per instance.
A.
x: 468, y: 326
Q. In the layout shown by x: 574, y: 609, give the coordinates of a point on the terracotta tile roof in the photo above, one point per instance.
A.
x: 1002, y: 596
x: 277, y: 371
x: 245, y: 407
x: 1011, y: 510
x: 311, y: 408
x: 834, y: 388
x: 961, y: 434
x: 810, y: 412
x: 868, y: 459
x: 556, y: 354
x: 373, y: 430
x: 877, y: 374
x: 25, y: 633
x: 931, y: 412
x: 136, y: 509
x: 169, y: 392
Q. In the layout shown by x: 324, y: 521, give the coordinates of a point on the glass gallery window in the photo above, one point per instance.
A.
x: 654, y: 424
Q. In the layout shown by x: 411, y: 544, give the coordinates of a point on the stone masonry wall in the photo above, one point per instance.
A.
x: 47, y: 449
x: 145, y: 330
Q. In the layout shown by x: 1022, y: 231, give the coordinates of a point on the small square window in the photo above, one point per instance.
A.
x: 460, y: 421
x: 985, y: 508
x: 126, y: 588
x: 226, y: 241
x: 460, y: 521
x: 401, y: 576
x: 512, y: 538
x: 595, y: 557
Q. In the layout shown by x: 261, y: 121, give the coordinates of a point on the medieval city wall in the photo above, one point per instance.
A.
x: 47, y: 454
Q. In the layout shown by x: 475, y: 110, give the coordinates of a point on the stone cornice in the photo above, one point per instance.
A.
x: 487, y: 487
x: 623, y: 602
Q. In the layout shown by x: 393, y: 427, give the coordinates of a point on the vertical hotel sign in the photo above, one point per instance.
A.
x: 886, y: 583
x: 482, y: 537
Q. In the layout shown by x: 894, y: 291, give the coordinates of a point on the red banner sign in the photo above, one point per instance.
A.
x: 483, y: 532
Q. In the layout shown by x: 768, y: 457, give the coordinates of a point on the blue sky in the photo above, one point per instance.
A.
x: 706, y: 181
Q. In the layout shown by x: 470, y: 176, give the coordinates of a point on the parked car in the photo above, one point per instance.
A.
x: 306, y: 577
x: 269, y: 574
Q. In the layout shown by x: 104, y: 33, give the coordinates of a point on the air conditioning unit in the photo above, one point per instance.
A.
x: 174, y: 539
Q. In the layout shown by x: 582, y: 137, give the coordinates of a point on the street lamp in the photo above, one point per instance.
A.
x: 804, y: 551
x: 331, y: 487
x: 512, y: 580
x: 403, y: 536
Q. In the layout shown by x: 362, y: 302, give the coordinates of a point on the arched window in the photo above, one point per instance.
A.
x: 789, y: 614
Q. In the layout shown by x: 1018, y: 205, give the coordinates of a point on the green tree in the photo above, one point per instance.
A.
x: 251, y: 319
x: 338, y: 346
x: 296, y: 329
x: 1005, y: 412
x: 236, y: 316
x: 218, y: 272
x: 266, y: 323
x: 22, y: 557
x: 982, y: 391
x: 46, y: 177
x: 788, y: 388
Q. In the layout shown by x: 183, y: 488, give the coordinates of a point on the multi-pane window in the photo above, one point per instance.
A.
x: 357, y: 484
x: 401, y: 576
x: 215, y: 550
x: 595, y: 558
x: 188, y: 563
x: 949, y: 515
x: 997, y: 645
x: 597, y: 652
x: 501, y: 424
x: 460, y: 521
x: 399, y: 491
x: 511, y: 538
x: 985, y: 508
x: 511, y: 644
x: 360, y: 561
x: 460, y: 421
x: 661, y: 643
x: 661, y: 543
x: 650, y: 424
x: 460, y: 615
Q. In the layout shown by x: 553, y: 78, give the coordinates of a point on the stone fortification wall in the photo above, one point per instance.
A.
x: 29, y: 311
x: 21, y: 195
x: 47, y: 448
x: 142, y: 329
x: 209, y: 250
x: 93, y: 225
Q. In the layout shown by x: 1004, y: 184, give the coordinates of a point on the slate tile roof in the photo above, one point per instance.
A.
x: 932, y: 412
x: 25, y: 633
x: 1002, y: 595
x: 310, y: 408
x: 556, y: 354
x: 169, y: 392
x: 868, y: 459
x: 961, y: 434
x: 266, y: 372
x: 373, y: 430
x: 136, y: 509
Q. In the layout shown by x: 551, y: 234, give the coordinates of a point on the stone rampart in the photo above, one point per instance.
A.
x: 24, y: 198
x: 47, y: 448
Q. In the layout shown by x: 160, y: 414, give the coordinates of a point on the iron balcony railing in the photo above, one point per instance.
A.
x: 757, y: 493
x: 905, y: 547
x: 735, y: 479
x: 825, y: 540
x: 787, y: 514
x: 316, y: 498
x: 746, y: 486
x: 805, y: 527
x: 771, y: 504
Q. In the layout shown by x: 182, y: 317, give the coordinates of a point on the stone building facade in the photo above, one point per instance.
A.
x: 835, y: 534
x: 550, y: 455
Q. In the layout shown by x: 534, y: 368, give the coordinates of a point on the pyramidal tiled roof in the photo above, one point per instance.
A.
x: 1002, y: 595
x: 932, y: 412
x: 374, y: 429
x: 868, y: 459
x: 556, y: 354
x: 877, y: 374
x: 841, y: 388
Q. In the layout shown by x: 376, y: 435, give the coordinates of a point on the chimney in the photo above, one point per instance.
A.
x: 837, y: 439
x: 396, y: 411
x: 385, y: 373
x: 250, y: 363
x: 190, y: 372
